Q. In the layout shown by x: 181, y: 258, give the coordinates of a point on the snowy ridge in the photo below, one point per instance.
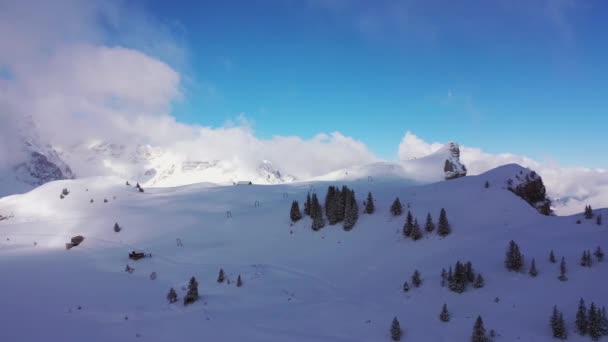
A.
x: 335, y: 285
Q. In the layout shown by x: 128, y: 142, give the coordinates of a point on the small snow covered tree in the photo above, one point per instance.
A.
x: 416, y: 232
x: 443, y: 226
x: 369, y: 204
x: 221, y: 276
x: 479, y: 331
x: 594, y: 323
x: 514, y: 260
x: 487, y: 185
x: 192, y: 294
x: 444, y: 316
x: 552, y: 257
x: 396, y: 208
x: 533, y: 272
x: 294, y: 213
x: 588, y: 212
x: 117, y: 227
x: 406, y: 287
x: 409, y: 224
x: 562, y: 270
x: 586, y: 260
x: 479, y: 282
x: 429, y: 226
x: 558, y: 326
x: 307, y: 205
x: 581, y: 321
x: 172, y: 296
x: 396, y: 330
x: 444, y: 277
x: 599, y: 254
x: 598, y: 220
x: 239, y: 281
x: 416, y: 281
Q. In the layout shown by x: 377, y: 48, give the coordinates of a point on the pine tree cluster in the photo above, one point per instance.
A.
x: 412, y: 229
x: 588, y: 212
x: 586, y: 260
x: 592, y: 321
x: 340, y: 206
x: 514, y: 260
x: 558, y: 326
x: 459, y: 277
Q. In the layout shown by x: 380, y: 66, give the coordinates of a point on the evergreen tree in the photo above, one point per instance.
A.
x: 458, y: 280
x: 416, y: 233
x: 581, y: 318
x: 429, y: 226
x: 479, y: 331
x: 444, y: 316
x: 514, y: 260
x: 330, y: 206
x: 588, y: 212
x: 487, y: 185
x: 351, y: 210
x: 396, y: 330
x: 192, y: 294
x: 307, y: 205
x: 479, y: 282
x: 340, y: 199
x: 533, y: 272
x: 318, y: 221
x: 239, y: 281
x: 409, y: 224
x: 406, y: 287
x: 443, y: 226
x: 594, y: 327
x: 416, y: 281
x: 396, y: 208
x: 369, y: 204
x: 221, y: 276
x: 295, y: 214
x: 552, y: 257
x: 598, y: 220
x: 117, y: 227
x: 599, y: 254
x: 586, y: 260
x: 172, y: 296
x: 558, y: 326
x: 562, y: 270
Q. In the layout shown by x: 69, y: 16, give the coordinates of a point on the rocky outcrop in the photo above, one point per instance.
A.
x: 529, y: 186
x: 40, y: 169
x: 453, y: 168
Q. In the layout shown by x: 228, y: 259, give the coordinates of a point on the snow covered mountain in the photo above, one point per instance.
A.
x: 39, y: 162
x: 298, y: 284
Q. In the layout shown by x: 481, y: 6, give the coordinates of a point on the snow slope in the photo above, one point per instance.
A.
x: 299, y: 285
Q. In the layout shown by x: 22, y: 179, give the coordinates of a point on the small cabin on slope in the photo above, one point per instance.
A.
x: 243, y: 183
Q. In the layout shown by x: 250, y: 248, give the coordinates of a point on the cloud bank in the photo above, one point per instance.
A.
x: 101, y: 71
x: 571, y: 187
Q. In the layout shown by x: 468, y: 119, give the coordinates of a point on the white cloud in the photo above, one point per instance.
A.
x: 574, y: 186
x: 70, y: 77
x: 412, y: 146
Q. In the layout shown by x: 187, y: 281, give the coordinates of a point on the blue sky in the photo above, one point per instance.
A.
x: 526, y: 77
